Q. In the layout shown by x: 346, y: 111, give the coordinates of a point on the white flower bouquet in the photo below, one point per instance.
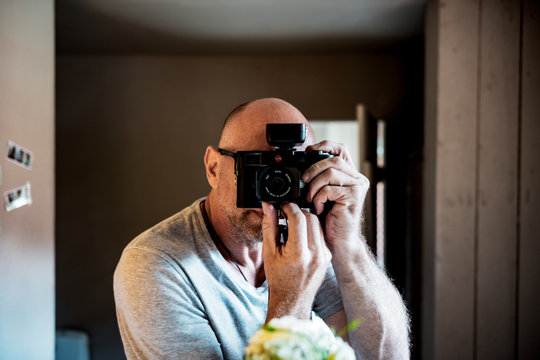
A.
x: 289, y: 338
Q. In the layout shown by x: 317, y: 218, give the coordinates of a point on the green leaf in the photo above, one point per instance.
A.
x: 351, y: 326
x: 269, y: 328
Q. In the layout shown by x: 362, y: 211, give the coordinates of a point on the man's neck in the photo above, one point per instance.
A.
x: 245, y: 252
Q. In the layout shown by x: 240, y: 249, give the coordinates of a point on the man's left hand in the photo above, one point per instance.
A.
x: 337, y: 180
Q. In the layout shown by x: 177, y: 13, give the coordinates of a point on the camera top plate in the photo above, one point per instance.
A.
x: 285, y: 135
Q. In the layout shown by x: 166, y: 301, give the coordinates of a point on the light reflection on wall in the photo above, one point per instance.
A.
x: 342, y: 131
x: 381, y: 195
x: 347, y: 132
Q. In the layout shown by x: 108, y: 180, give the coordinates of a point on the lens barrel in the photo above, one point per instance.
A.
x: 275, y: 184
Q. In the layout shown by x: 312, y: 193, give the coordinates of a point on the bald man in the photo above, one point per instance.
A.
x: 199, y: 284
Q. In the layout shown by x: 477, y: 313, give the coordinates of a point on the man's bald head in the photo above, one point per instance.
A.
x: 245, y: 127
x: 244, y: 130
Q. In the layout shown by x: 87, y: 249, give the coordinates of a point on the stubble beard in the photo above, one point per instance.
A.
x: 246, y: 224
x: 249, y: 230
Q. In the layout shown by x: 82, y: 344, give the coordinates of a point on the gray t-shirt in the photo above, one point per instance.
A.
x: 177, y: 297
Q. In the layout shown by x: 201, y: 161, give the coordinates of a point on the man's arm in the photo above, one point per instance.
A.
x: 159, y: 315
x: 367, y: 293
x: 369, y: 296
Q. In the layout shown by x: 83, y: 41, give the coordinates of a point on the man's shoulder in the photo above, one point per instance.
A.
x: 174, y: 235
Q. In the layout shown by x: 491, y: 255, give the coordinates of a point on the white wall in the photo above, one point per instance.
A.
x: 27, y: 234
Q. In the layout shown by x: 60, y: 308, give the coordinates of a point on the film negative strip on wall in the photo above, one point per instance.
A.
x: 18, y: 197
x: 20, y: 155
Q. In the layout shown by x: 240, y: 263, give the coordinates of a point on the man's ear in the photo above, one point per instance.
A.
x: 212, y: 161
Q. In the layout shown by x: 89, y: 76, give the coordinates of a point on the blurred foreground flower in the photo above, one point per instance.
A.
x: 289, y: 338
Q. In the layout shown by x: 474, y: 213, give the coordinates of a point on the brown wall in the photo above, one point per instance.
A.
x: 131, y: 134
x: 482, y: 197
x: 26, y: 234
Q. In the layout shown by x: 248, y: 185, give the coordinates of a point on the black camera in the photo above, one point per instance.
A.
x: 275, y: 176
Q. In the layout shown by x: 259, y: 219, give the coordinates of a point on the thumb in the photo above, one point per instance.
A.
x: 269, y: 227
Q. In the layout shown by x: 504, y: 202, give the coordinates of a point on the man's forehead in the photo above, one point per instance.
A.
x: 245, y: 135
x: 247, y: 130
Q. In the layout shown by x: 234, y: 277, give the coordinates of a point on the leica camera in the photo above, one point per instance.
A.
x: 275, y: 176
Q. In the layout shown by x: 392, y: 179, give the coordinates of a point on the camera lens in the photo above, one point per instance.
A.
x: 275, y: 183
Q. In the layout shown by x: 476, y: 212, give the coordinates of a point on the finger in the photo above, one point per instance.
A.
x: 297, y: 226
x: 336, y: 163
x: 333, y: 148
x: 314, y: 230
x: 269, y: 228
x: 327, y: 193
x: 330, y: 176
x: 316, y: 241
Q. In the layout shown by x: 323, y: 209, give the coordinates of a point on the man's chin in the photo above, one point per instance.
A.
x: 256, y: 212
x: 252, y: 226
x: 249, y: 224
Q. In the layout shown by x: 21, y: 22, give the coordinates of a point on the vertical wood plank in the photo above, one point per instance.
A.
x: 366, y: 168
x: 428, y: 188
x: 452, y: 135
x: 497, y: 179
x: 529, y: 264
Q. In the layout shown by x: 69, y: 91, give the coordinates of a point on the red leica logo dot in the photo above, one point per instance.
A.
x: 277, y: 158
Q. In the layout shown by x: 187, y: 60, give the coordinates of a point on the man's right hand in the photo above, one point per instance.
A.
x: 295, y: 270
